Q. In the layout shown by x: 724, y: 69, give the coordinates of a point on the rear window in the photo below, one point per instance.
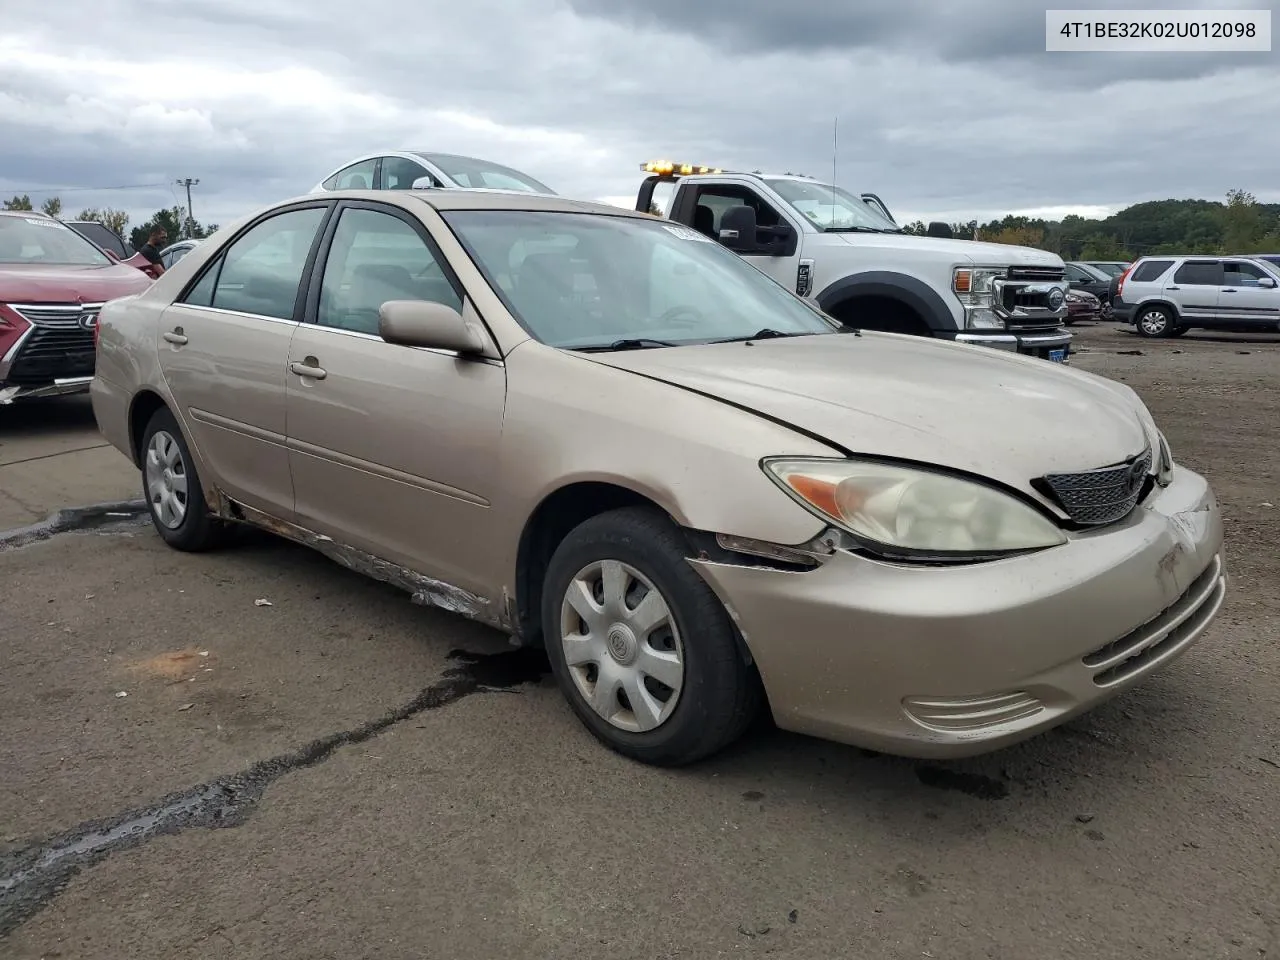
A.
x: 1199, y: 273
x: 1150, y: 270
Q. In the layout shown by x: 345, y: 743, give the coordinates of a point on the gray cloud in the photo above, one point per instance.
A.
x: 943, y: 107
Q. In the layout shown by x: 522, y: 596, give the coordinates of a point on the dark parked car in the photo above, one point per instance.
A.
x: 103, y: 237
x: 53, y: 282
x: 1089, y: 279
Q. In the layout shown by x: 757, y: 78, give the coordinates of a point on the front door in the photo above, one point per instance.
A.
x: 1195, y: 289
x: 394, y: 449
x: 1244, y: 300
x: 223, y: 349
x: 710, y: 204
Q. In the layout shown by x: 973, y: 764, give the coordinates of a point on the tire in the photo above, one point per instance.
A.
x: 1153, y: 322
x: 715, y: 695
x: 171, y: 486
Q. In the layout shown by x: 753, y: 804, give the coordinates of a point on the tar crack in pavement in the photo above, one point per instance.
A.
x: 31, y: 877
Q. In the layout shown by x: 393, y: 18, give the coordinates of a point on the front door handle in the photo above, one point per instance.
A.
x: 309, y: 368
x: 1173, y: 288
x: 175, y: 336
x: 1229, y: 290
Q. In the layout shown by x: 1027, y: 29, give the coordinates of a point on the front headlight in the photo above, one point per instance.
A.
x: 973, y: 287
x: 908, y: 513
x: 1164, y: 461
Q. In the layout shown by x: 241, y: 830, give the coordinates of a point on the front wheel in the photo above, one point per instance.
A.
x: 1155, y: 322
x: 641, y: 647
x: 172, y: 486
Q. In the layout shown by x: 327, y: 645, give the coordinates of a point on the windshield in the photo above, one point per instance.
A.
x: 469, y: 172
x: 41, y: 240
x: 831, y: 208
x: 1108, y: 269
x: 578, y: 280
x: 1095, y: 272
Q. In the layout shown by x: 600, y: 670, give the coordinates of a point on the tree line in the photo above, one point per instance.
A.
x: 174, y: 219
x: 1240, y: 225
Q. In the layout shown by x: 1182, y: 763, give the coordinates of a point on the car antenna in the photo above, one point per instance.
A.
x: 835, y: 157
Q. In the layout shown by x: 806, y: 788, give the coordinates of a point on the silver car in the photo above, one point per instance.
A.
x: 1167, y: 296
x: 607, y: 435
x: 401, y: 169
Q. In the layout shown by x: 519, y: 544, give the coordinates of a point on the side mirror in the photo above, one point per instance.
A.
x: 424, y: 323
x: 1267, y: 282
x: 423, y: 183
x: 738, y: 229
x: 939, y: 229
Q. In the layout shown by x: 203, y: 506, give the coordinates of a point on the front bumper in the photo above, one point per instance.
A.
x: 10, y: 392
x: 954, y: 661
x: 1045, y: 344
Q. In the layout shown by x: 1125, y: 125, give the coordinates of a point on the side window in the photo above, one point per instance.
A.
x: 261, y: 271
x: 399, y: 173
x: 376, y: 257
x: 1076, y: 275
x: 358, y: 176
x: 1237, y: 274
x: 1199, y: 273
x: 1151, y: 270
x: 714, y: 201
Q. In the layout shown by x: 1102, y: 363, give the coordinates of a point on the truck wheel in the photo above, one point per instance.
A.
x: 641, y: 647
x: 1154, y: 322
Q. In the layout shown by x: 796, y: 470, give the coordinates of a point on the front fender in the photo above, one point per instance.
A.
x: 911, y: 291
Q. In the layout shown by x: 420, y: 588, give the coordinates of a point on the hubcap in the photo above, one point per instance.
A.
x: 166, y: 477
x: 1154, y: 322
x: 622, y: 646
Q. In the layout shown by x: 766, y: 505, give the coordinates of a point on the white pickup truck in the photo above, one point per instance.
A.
x: 845, y: 252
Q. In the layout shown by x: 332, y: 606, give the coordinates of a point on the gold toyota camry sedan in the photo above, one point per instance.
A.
x: 607, y: 434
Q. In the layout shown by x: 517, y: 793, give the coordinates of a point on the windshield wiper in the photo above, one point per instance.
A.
x: 631, y: 343
x: 856, y: 230
x: 768, y: 333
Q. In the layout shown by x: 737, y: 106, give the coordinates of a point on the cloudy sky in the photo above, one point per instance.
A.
x: 948, y: 109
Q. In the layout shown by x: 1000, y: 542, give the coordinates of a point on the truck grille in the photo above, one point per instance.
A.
x: 1105, y: 495
x: 1024, y: 297
x: 59, y: 344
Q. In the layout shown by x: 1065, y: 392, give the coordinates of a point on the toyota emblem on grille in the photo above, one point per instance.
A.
x: 87, y: 321
x: 1055, y: 298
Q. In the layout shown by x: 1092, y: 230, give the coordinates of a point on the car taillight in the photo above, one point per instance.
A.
x: 1120, y: 282
x: 12, y: 327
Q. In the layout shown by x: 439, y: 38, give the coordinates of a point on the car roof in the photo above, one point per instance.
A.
x: 27, y: 214
x: 445, y: 198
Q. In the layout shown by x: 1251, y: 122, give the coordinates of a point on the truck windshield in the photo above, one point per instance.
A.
x: 39, y: 240
x: 831, y: 208
x: 593, y: 282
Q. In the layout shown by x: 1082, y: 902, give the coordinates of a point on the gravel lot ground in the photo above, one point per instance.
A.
x: 335, y: 781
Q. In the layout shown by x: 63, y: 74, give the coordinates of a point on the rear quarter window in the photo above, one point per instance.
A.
x: 1151, y: 270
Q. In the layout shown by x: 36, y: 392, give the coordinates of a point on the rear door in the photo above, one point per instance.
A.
x: 1244, y: 299
x: 224, y: 349
x: 1194, y: 289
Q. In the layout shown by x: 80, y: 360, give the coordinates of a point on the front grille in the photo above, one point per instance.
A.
x: 1096, y: 497
x: 1024, y: 297
x: 59, y: 345
x: 1162, y: 636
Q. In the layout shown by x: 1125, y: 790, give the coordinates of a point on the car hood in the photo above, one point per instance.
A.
x: 973, y: 409
x: 57, y: 283
x: 960, y: 251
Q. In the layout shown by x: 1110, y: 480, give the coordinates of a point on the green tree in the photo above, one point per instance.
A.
x: 19, y: 203
x: 116, y: 220
x: 52, y: 206
x: 173, y: 220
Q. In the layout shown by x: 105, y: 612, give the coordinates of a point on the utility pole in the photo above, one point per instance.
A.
x: 191, y: 220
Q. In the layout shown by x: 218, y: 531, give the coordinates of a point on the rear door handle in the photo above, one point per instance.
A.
x: 311, y: 370
x: 1229, y: 290
x: 175, y: 336
x: 1173, y: 288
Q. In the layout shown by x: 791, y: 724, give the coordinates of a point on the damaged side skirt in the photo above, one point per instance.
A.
x: 422, y: 589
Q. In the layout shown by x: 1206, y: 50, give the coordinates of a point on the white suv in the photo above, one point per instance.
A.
x: 1167, y: 296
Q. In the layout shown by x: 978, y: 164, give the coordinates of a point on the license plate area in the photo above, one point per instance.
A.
x: 1058, y: 355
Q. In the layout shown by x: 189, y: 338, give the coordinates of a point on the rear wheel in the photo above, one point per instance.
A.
x: 641, y: 647
x: 1155, y: 322
x: 172, y: 487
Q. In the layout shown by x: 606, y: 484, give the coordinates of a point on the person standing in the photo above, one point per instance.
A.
x: 150, y: 251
